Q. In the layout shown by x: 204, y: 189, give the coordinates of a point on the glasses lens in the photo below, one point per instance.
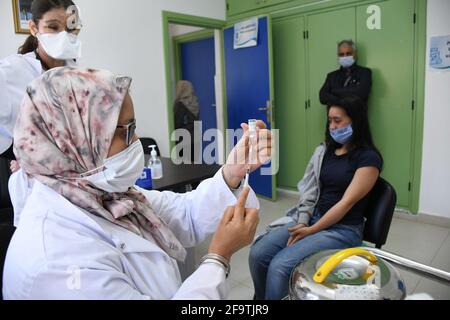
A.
x: 131, y: 132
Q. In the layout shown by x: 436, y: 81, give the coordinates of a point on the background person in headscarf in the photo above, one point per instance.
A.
x: 85, y: 231
x: 186, y: 112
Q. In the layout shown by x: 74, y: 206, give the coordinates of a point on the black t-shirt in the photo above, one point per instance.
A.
x: 336, y: 175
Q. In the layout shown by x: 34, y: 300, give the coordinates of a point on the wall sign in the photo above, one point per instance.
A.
x: 440, y: 53
x: 246, y: 34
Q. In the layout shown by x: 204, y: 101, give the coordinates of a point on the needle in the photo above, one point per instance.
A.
x: 252, y: 136
x: 247, y: 178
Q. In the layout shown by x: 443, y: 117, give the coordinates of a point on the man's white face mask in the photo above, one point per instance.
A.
x: 121, y: 171
x: 61, y: 46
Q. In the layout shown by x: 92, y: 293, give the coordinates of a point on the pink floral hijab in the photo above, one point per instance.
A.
x: 65, y: 128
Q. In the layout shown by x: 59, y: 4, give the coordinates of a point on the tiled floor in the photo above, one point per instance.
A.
x: 423, y: 243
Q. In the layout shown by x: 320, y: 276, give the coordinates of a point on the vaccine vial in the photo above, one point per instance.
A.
x: 252, y: 131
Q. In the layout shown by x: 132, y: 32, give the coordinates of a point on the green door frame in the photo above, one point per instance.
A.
x: 189, y: 20
x: 420, y: 38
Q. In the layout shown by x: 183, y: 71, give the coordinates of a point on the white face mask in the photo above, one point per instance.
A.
x: 121, y: 171
x: 60, y: 46
x: 347, y: 62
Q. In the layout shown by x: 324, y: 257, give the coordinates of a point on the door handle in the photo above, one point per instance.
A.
x: 268, y: 110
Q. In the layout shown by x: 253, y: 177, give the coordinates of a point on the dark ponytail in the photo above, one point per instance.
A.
x: 38, y: 9
x: 30, y: 45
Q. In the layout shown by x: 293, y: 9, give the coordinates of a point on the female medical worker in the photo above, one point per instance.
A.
x: 53, y: 42
x: 85, y: 232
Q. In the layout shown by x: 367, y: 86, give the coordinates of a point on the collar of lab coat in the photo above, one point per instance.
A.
x: 60, y: 208
x: 35, y: 63
x: 32, y: 60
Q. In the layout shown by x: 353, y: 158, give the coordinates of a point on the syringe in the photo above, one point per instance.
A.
x: 252, y: 144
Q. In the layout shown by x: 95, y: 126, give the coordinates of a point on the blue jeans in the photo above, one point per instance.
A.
x: 272, y: 262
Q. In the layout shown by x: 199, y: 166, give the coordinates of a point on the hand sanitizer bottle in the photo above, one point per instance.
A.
x: 155, y: 164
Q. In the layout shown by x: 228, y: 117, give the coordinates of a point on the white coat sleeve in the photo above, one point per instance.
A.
x: 5, y: 113
x: 5, y: 102
x: 208, y: 282
x: 195, y: 215
x: 20, y: 187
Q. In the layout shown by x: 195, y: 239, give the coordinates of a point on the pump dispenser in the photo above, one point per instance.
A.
x: 155, y: 164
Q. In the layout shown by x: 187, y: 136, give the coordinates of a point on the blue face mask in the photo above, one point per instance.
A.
x: 347, y: 62
x: 342, y: 135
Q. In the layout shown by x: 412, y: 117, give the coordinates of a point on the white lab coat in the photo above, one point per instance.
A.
x: 16, y: 72
x: 62, y: 252
x: 19, y: 187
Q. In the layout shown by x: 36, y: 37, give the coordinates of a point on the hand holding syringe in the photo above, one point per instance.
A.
x: 249, y: 154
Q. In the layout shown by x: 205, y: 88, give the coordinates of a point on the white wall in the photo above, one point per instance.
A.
x: 435, y: 185
x: 126, y: 37
x: 9, y: 41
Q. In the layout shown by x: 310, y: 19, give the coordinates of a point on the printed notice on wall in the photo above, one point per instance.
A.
x: 440, y: 53
x: 246, y: 34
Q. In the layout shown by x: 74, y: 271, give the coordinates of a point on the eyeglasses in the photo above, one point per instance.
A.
x: 130, y: 130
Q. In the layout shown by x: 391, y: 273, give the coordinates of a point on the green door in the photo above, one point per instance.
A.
x: 325, y: 31
x: 290, y: 95
x: 386, y: 46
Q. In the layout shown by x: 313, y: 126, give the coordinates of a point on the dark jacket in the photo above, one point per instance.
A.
x: 353, y: 81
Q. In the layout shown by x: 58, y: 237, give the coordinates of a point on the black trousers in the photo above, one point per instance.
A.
x: 6, y: 211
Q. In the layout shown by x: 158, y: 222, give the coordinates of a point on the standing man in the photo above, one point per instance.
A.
x: 350, y: 79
